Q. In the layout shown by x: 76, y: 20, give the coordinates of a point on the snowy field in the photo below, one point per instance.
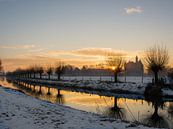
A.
x: 137, y: 79
x: 19, y: 111
x: 132, y: 85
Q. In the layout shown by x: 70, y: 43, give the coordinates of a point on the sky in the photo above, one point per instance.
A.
x: 81, y: 31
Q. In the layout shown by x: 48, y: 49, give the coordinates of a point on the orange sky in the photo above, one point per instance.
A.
x: 84, y: 56
x: 79, y: 57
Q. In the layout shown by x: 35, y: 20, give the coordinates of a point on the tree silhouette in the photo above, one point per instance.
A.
x: 33, y: 71
x: 60, y: 97
x: 1, y: 67
x: 115, y: 111
x: 59, y: 69
x: 40, y: 70
x: 155, y: 120
x: 156, y: 58
x: 115, y: 62
x: 49, y: 71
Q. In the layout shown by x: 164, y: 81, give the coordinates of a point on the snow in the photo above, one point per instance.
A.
x: 109, y: 86
x: 128, y: 87
x: 19, y: 111
x: 136, y: 79
x: 137, y: 88
x: 167, y: 92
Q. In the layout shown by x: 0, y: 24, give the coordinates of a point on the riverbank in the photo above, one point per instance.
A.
x: 19, y: 111
x: 95, y: 85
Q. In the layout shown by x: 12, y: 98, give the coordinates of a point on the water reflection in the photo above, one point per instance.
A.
x: 159, y: 122
x: 154, y: 112
x: 115, y: 111
x: 48, y: 91
x: 154, y: 119
x: 41, y: 92
x: 2, y: 78
x: 157, y: 102
x: 60, y: 98
x: 170, y: 110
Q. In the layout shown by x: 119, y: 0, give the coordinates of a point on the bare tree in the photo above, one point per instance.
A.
x: 40, y: 70
x: 27, y: 73
x: 18, y: 73
x: 156, y: 59
x: 49, y: 71
x: 1, y: 68
x: 59, y: 69
x: 34, y: 70
x: 30, y: 71
x: 115, y: 62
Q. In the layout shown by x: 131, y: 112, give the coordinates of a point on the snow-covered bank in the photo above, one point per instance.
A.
x: 134, y: 88
x: 106, y: 86
x: 19, y: 111
x: 167, y: 92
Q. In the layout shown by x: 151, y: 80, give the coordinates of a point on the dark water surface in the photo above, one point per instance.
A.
x: 118, y: 107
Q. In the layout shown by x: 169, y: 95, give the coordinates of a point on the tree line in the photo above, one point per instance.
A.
x: 35, y: 70
x: 59, y: 69
x: 1, y: 67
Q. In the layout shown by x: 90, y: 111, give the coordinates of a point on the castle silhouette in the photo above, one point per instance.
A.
x: 134, y: 68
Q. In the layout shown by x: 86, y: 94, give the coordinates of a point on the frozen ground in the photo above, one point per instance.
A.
x: 137, y: 79
x: 19, y: 111
x: 107, y: 86
x: 138, y: 88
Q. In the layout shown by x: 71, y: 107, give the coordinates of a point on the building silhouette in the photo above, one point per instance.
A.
x: 134, y: 68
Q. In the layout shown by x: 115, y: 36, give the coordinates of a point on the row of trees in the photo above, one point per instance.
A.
x: 32, y: 71
x: 1, y: 67
x: 66, y: 70
x: 155, y: 59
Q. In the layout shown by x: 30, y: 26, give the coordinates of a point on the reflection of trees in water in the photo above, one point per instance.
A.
x: 159, y: 121
x: 170, y: 110
x: 22, y: 86
x: 60, y: 98
x: 27, y: 88
x: 115, y: 111
x: 155, y: 120
x: 48, y: 91
x: 8, y: 80
x: 31, y: 90
x: 49, y: 97
x: 2, y: 78
x: 157, y: 103
x: 39, y: 92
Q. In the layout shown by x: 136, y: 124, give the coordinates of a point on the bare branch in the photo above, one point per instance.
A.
x: 156, y: 59
x: 115, y: 62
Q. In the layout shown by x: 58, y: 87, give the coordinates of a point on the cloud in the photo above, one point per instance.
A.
x: 17, y: 46
x: 96, y: 51
x: 36, y: 50
x: 134, y: 10
x: 88, y: 52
